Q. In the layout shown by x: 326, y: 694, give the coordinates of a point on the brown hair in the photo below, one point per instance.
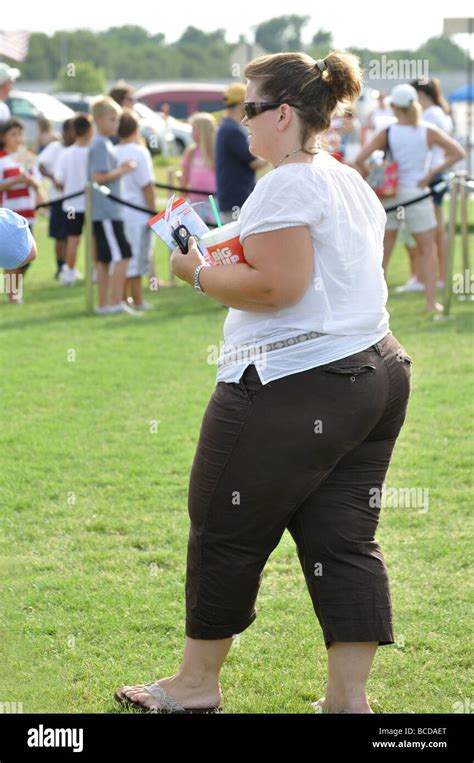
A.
x: 128, y: 124
x: 294, y: 78
x: 44, y: 124
x: 120, y: 90
x: 81, y: 124
x: 9, y: 124
x: 432, y: 89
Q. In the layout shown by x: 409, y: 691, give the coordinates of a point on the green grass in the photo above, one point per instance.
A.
x: 94, y: 515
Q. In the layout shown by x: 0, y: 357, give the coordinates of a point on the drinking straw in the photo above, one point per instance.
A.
x: 214, y: 209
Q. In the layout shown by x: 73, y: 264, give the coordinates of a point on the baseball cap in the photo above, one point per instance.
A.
x: 8, y: 73
x: 16, y: 239
x: 234, y: 94
x: 403, y: 95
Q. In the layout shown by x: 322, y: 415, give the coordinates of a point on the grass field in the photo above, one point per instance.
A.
x: 94, y: 517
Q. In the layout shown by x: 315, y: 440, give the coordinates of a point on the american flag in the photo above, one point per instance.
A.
x: 14, y: 45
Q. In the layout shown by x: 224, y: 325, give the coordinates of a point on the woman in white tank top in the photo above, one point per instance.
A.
x: 410, y: 142
x: 436, y: 111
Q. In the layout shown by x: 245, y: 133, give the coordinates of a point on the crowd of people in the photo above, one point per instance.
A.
x: 105, y: 146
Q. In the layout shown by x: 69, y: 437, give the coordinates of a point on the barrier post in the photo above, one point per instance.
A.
x: 448, y: 285
x: 463, y: 197
x: 170, y: 181
x: 89, y: 286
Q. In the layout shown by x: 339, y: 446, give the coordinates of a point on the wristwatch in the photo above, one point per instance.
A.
x: 197, y: 285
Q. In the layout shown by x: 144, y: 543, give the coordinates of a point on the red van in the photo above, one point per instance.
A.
x: 184, y: 98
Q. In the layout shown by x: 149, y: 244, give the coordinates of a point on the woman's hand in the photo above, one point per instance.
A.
x: 184, y: 265
x: 426, y: 180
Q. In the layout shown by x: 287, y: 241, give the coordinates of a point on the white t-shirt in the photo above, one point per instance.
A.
x: 71, y: 171
x: 346, y: 296
x: 49, y: 158
x: 435, y: 115
x: 133, y: 182
x: 4, y: 112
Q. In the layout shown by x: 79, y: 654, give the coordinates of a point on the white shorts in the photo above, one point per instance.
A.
x: 416, y: 218
x: 139, y: 236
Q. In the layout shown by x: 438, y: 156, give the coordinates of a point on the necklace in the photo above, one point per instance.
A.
x: 290, y: 154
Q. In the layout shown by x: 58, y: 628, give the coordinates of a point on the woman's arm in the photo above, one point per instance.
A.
x: 277, y: 273
x: 22, y: 177
x: 378, y: 143
x: 453, y: 150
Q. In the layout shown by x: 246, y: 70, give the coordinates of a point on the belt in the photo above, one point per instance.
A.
x: 278, y: 345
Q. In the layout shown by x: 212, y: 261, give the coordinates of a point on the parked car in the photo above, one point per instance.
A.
x: 28, y: 107
x: 182, y: 131
x: 157, y: 136
x: 76, y: 101
x: 183, y: 98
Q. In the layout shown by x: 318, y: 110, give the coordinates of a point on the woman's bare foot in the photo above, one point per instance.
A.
x: 188, y: 692
x: 323, y: 706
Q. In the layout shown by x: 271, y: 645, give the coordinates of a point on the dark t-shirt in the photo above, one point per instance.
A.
x: 235, y: 178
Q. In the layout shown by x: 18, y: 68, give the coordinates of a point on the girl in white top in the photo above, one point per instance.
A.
x: 436, y: 112
x: 410, y: 141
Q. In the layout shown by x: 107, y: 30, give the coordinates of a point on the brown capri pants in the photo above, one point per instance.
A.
x: 263, y: 464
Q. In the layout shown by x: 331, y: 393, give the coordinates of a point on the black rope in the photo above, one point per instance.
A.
x: 183, y: 190
x: 56, y: 201
x: 413, y: 201
x: 206, y: 193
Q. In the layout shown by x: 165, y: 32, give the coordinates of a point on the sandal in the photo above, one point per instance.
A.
x: 168, y: 704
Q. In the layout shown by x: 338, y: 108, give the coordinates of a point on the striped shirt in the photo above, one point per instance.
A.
x: 20, y: 198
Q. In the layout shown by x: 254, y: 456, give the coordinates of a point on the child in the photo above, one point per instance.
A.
x: 18, y: 190
x: 111, y: 242
x: 71, y: 176
x: 138, y: 188
x: 198, y: 164
x: 45, y: 136
x: 57, y: 217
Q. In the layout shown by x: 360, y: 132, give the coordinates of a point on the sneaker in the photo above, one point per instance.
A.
x: 66, y: 276
x: 437, y: 308
x: 143, y: 306
x: 77, y: 275
x: 413, y: 284
x: 102, y: 310
x: 122, y: 307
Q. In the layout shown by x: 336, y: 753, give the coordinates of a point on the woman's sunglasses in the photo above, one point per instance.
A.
x: 253, y: 108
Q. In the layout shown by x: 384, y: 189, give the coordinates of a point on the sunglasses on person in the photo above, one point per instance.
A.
x: 253, y: 108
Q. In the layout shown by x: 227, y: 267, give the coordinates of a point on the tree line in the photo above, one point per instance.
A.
x: 131, y: 52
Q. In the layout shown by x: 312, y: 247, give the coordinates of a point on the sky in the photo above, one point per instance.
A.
x: 410, y: 22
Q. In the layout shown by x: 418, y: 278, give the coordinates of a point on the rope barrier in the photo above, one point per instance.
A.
x: 105, y: 191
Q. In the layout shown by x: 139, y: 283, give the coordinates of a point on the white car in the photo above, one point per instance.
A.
x: 182, y: 131
x: 159, y: 137
x: 27, y: 107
